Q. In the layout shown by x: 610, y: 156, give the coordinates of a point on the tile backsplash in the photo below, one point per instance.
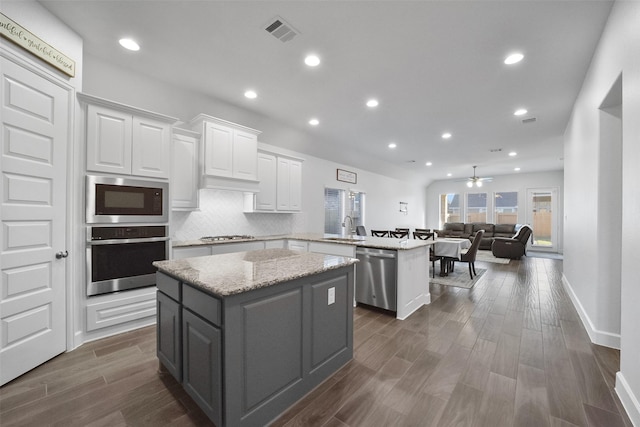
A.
x: 221, y: 213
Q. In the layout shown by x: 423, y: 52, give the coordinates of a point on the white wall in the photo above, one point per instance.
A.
x: 608, y: 302
x: 36, y: 19
x: 221, y: 211
x: 122, y: 85
x: 519, y: 182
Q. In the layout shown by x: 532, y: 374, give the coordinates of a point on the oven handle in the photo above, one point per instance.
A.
x: 124, y: 241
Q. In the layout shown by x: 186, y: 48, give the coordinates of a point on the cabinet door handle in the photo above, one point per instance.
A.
x: 61, y: 254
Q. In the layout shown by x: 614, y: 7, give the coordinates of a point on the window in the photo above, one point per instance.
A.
x: 449, y: 208
x: 476, y: 207
x: 340, y: 203
x: 506, y: 207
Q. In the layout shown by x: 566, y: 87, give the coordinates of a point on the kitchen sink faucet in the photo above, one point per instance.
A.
x: 344, y: 221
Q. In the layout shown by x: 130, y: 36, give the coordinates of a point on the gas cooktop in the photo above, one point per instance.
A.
x: 230, y: 237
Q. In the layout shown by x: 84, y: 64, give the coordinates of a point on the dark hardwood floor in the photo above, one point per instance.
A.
x: 511, y: 351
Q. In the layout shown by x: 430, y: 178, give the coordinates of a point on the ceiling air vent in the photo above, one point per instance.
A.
x: 281, y: 30
x: 529, y: 120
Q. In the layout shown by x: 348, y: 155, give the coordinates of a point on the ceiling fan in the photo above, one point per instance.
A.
x: 476, y: 180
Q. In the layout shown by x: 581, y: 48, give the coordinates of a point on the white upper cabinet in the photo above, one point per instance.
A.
x: 185, y: 173
x: 280, y: 188
x: 218, y: 150
x: 150, y: 148
x: 229, y: 153
x: 126, y: 140
x: 289, y: 184
x: 108, y: 140
x: 267, y: 169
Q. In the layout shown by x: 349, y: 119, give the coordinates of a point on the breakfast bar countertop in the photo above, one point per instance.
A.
x: 235, y: 273
x: 366, y: 241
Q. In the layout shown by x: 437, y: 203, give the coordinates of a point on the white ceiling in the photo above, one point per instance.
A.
x: 435, y: 66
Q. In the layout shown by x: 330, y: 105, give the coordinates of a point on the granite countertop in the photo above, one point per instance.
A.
x: 364, y: 241
x: 239, y: 272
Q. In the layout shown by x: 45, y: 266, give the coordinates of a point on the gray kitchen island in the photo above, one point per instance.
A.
x: 248, y: 334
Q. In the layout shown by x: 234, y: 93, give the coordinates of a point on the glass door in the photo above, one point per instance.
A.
x: 542, y: 208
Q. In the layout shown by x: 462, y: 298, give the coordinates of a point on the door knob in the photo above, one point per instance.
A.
x: 61, y: 254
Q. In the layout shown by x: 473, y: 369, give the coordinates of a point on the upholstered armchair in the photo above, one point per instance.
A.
x: 512, y: 247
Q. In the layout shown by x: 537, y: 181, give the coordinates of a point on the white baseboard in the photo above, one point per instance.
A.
x: 604, y: 338
x: 409, y: 309
x: 628, y: 399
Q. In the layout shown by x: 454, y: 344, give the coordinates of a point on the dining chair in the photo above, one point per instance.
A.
x: 422, y: 235
x: 425, y: 235
x: 380, y: 233
x: 399, y: 234
x: 361, y: 231
x: 403, y: 229
x: 470, y: 255
x: 422, y: 230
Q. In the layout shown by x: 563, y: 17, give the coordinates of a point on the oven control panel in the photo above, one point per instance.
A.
x: 135, y: 232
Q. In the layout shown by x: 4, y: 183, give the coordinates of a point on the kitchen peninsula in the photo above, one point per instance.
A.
x: 249, y: 333
x: 412, y: 256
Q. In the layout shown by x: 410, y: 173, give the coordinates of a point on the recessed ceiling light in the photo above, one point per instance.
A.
x: 372, y: 103
x: 449, y: 174
x: 428, y: 164
x: 516, y: 169
x: 312, y: 60
x: 446, y: 135
x: 513, y: 58
x: 520, y: 112
x: 392, y: 145
x: 314, y: 122
x: 129, y: 44
x: 251, y: 94
x: 513, y: 154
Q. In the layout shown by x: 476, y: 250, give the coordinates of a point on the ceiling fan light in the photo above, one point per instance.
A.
x: 478, y: 183
x: 469, y: 184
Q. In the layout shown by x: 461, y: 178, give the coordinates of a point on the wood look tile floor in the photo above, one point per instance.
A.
x: 511, y: 351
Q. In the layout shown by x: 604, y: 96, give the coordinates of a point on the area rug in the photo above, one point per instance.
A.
x: 459, y: 277
x: 487, y: 256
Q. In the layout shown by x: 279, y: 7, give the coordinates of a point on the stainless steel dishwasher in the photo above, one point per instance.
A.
x: 376, y: 277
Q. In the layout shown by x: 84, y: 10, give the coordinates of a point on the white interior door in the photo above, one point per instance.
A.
x: 35, y: 132
x: 542, y: 204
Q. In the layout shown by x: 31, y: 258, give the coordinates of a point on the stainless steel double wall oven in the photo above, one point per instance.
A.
x: 127, y: 229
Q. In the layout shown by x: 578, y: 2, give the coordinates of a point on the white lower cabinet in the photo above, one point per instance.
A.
x: 273, y: 244
x: 116, y: 309
x: 227, y: 248
x: 191, y: 251
x: 333, y: 249
x: 298, y: 245
x: 217, y: 249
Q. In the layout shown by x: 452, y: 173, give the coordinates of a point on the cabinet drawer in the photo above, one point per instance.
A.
x: 204, y: 305
x: 169, y: 286
x: 191, y: 251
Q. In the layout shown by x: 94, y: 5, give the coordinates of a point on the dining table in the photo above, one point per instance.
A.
x: 448, y: 250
